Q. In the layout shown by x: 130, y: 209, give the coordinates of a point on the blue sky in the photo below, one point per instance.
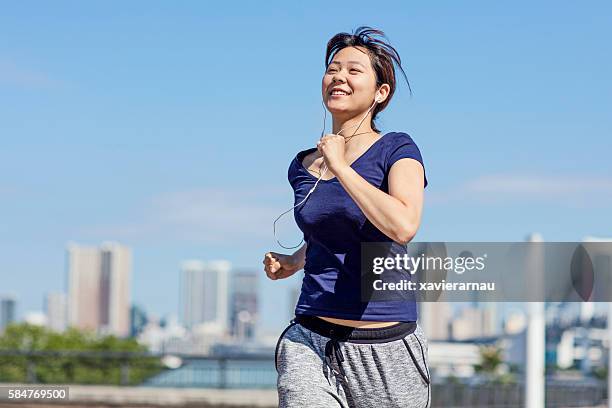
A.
x: 169, y: 127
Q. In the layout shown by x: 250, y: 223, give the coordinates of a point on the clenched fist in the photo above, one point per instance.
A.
x: 279, y: 266
x: 332, y: 148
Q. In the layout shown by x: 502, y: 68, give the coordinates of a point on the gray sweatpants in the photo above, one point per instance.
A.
x: 377, y: 375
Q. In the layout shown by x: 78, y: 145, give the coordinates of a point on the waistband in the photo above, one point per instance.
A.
x: 355, y: 334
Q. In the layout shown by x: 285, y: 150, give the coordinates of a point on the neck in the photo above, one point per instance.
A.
x: 350, y: 125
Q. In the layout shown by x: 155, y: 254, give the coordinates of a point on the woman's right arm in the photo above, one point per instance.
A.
x: 280, y: 266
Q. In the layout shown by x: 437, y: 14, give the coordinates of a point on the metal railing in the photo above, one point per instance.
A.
x: 132, y: 368
x: 512, y: 395
x: 254, y: 371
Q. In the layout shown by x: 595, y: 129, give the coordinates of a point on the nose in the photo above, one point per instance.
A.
x: 337, y: 77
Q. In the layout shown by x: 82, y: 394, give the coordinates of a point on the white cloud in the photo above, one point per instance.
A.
x: 12, y: 74
x: 8, y: 191
x: 202, y: 216
x: 538, y: 185
x: 569, y: 189
x: 239, y: 215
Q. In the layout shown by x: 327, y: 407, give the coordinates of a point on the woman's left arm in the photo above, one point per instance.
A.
x: 397, y: 214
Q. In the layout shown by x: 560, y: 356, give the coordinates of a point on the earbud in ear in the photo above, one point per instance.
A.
x: 378, y: 98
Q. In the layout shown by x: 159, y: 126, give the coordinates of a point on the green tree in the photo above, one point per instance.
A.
x: 491, y: 365
x: 79, y: 357
x: 601, y: 373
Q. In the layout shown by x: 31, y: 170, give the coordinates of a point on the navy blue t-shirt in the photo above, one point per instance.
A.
x: 334, y: 228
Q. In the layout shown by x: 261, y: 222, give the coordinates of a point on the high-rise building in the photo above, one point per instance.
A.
x: 436, y: 319
x: 8, y: 306
x: 99, y: 287
x: 56, y: 309
x: 204, y: 294
x: 116, y: 265
x: 244, y: 314
x: 474, y: 322
x: 138, y: 320
x: 83, y: 268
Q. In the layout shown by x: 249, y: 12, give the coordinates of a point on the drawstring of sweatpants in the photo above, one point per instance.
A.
x: 333, y: 350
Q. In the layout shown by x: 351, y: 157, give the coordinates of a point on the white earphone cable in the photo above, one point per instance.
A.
x: 322, y: 174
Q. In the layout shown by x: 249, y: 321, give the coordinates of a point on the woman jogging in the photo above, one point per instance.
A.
x: 356, y: 186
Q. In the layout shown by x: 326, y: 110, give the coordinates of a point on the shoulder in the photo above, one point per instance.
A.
x: 395, y: 139
x: 305, y: 155
x: 295, y: 166
x: 401, y: 144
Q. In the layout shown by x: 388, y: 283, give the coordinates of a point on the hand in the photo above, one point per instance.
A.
x: 331, y: 147
x: 279, y: 266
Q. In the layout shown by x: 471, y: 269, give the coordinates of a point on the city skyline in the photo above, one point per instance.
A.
x: 221, y: 295
x: 97, y: 295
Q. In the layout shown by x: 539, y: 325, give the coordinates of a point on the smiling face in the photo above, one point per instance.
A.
x: 349, y: 84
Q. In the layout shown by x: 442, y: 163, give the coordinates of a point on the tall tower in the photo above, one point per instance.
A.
x: 115, y: 267
x: 83, y: 264
x: 436, y: 319
x: 204, y: 294
x: 244, y: 303
x: 7, y: 310
x: 99, y: 288
x: 536, y: 340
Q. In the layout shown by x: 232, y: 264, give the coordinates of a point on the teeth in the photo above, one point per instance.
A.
x: 339, y: 93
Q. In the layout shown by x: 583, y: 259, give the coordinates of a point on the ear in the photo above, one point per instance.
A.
x: 382, y: 93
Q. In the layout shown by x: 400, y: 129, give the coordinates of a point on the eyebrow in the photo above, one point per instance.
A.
x: 350, y: 62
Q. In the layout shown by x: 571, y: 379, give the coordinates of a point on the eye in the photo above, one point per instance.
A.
x: 355, y: 70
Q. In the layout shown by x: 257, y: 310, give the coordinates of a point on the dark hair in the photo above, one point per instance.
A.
x: 381, y: 56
